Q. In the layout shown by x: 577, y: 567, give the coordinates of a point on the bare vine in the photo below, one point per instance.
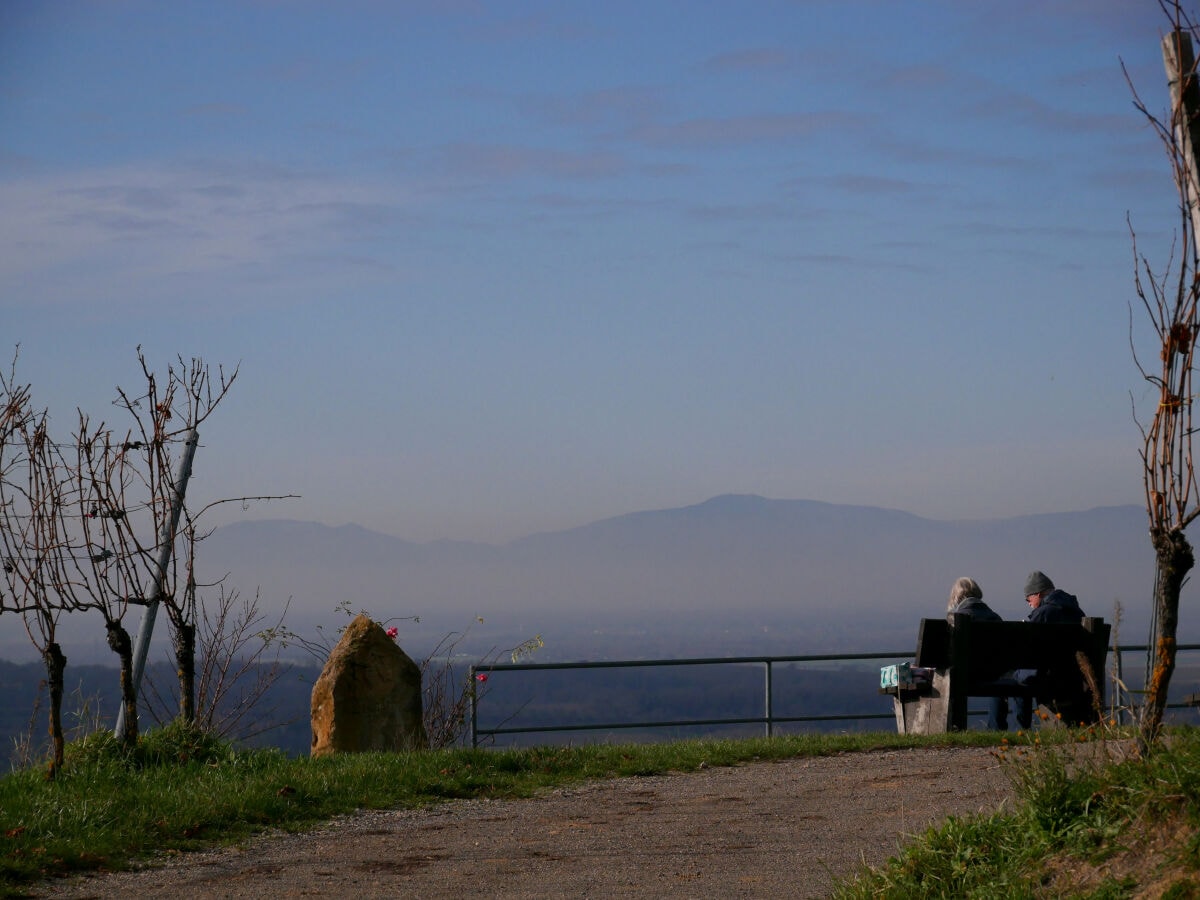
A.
x: 1170, y: 299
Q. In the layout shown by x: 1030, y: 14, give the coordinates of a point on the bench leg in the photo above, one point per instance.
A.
x: 924, y: 713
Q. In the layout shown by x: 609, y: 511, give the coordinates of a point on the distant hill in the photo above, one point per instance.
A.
x: 840, y: 573
x: 736, y: 574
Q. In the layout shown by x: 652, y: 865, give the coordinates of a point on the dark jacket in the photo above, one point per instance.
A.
x: 1057, y: 606
x: 976, y: 609
x: 981, y: 612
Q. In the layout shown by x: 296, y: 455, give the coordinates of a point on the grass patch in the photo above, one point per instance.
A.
x: 1089, y: 822
x: 181, y: 790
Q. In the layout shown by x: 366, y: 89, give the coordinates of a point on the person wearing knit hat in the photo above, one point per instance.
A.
x: 1046, y: 604
x: 1049, y: 604
x: 1037, y: 583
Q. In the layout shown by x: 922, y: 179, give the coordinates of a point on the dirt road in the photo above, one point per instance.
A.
x: 768, y: 829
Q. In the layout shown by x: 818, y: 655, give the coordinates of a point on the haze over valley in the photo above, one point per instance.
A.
x: 734, y: 575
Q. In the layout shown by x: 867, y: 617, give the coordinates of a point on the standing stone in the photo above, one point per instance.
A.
x: 368, y: 697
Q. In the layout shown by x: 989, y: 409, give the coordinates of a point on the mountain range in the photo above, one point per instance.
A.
x: 734, y: 575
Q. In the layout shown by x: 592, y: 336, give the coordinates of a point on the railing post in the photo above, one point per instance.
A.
x: 1118, y: 698
x: 474, y: 708
x: 770, y: 709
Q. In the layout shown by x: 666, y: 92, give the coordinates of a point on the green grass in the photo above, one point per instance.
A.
x: 181, y: 791
x: 1108, y: 826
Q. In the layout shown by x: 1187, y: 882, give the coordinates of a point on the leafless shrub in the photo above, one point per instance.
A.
x: 450, y: 693
x: 240, y: 651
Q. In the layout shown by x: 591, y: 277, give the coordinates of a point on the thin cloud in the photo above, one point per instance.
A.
x: 871, y: 184
x: 860, y: 262
x: 997, y: 229
x: 216, y: 110
x: 618, y: 107
x: 942, y: 155
x: 133, y: 197
x: 751, y: 60
x: 151, y: 221
x: 1137, y: 178
x: 743, y: 212
x: 970, y: 95
x: 921, y: 77
x: 750, y: 129
x: 507, y: 161
x: 666, y: 170
x: 532, y: 28
x: 1036, y: 113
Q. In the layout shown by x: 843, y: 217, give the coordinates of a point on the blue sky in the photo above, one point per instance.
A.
x: 497, y: 268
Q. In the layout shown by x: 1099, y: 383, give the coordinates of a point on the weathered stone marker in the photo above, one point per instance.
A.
x: 368, y: 697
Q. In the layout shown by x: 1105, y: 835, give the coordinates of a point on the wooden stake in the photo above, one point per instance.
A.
x: 1180, y: 63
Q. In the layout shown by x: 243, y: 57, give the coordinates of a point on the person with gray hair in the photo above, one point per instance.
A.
x: 966, y: 598
x: 967, y: 593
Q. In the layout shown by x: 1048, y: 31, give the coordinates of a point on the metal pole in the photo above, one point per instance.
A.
x: 1117, y: 702
x: 474, y: 707
x: 166, y: 545
x: 770, y: 712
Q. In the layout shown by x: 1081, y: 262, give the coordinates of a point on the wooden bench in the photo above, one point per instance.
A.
x: 972, y: 658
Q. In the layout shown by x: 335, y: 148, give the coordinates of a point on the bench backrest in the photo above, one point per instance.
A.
x: 989, y: 649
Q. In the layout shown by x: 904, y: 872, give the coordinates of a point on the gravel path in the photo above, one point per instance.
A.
x: 767, y: 829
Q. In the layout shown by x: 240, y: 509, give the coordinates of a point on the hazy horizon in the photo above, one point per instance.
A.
x: 734, y: 574
x: 274, y: 512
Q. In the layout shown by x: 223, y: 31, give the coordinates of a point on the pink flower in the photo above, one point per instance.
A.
x: 392, y: 632
x: 481, y: 676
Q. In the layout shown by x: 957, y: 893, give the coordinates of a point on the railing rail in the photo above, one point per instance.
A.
x: 768, y: 719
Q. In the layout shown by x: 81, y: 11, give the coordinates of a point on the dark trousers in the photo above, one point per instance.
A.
x: 998, y: 714
x: 1024, y: 710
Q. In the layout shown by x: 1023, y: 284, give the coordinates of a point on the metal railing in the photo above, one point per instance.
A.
x: 768, y: 719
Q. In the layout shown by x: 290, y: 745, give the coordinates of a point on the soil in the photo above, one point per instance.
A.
x: 765, y: 829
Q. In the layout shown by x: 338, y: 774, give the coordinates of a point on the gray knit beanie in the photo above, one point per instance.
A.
x: 1037, y: 582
